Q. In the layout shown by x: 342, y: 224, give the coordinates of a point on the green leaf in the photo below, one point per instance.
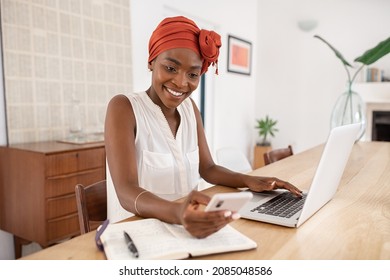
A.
x: 337, y: 53
x: 266, y: 127
x: 372, y: 55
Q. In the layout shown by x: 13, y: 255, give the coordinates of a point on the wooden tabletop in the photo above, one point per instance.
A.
x: 355, y: 224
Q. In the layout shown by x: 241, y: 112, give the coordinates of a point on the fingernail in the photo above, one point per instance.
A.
x: 236, y: 216
x: 227, y: 214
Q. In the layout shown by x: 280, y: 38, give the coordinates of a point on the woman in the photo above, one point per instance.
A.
x: 155, y: 142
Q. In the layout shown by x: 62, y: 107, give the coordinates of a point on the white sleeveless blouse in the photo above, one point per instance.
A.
x: 167, y: 166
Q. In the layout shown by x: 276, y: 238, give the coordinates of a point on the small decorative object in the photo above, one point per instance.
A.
x: 75, y: 118
x: 349, y: 107
x: 266, y: 127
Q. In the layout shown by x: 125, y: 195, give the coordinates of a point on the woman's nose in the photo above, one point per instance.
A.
x: 180, y: 80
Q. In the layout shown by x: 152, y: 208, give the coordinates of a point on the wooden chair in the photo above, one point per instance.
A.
x: 91, y: 205
x: 277, y: 154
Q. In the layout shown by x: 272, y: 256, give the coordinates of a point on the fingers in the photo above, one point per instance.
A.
x: 204, y: 229
x: 196, y: 197
x: 259, y: 184
x: 200, y: 232
x: 285, y: 185
x: 201, y: 224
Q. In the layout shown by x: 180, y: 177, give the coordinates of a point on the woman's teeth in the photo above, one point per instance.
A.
x: 175, y: 93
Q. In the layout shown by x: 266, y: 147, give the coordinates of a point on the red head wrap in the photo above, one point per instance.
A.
x: 181, y: 32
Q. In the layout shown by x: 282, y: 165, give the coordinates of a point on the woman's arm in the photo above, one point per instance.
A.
x: 219, y: 175
x: 119, y: 135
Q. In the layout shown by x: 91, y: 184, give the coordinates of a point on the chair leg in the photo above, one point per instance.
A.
x: 18, y: 244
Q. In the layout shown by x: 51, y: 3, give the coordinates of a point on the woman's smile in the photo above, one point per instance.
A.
x: 175, y: 93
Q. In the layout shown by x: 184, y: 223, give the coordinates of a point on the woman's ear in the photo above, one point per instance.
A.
x: 150, y: 66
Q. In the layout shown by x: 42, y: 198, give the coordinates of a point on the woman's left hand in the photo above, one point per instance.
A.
x: 260, y: 184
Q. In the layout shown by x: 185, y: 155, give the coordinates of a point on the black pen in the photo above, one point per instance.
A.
x: 130, y: 244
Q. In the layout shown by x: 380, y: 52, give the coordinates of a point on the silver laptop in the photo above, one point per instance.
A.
x: 271, y: 207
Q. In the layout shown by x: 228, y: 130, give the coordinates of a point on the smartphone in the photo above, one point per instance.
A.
x: 228, y: 201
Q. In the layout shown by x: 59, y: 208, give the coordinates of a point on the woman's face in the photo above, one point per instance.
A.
x: 175, y: 75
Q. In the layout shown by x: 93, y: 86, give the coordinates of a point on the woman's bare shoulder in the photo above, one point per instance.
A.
x: 119, y: 100
x: 119, y: 103
x: 119, y: 107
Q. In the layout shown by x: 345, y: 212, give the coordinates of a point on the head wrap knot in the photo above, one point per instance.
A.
x: 210, y: 42
x: 181, y: 32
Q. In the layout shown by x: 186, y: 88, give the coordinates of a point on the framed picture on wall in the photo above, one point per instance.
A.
x: 239, y: 55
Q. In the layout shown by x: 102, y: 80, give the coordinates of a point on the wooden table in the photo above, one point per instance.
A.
x: 355, y: 224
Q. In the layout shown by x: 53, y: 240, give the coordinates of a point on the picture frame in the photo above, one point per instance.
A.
x: 239, y: 55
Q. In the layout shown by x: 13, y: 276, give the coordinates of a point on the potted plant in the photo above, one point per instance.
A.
x: 266, y: 127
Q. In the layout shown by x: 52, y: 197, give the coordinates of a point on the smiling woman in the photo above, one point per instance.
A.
x: 152, y: 139
x: 155, y: 142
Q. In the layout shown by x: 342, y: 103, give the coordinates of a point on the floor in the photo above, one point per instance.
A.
x: 30, y: 248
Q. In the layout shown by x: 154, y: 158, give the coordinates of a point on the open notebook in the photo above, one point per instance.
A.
x: 158, y: 240
x: 264, y: 207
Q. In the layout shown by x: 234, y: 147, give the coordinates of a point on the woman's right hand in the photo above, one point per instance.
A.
x: 200, y: 223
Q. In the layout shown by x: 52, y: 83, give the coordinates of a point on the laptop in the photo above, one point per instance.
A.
x: 266, y: 207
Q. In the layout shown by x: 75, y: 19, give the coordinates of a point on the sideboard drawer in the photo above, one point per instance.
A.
x: 62, y: 185
x: 60, y: 206
x: 61, y: 228
x: 70, y: 162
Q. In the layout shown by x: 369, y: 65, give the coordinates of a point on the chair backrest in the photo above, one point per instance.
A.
x: 277, y: 154
x: 233, y: 159
x: 91, y: 205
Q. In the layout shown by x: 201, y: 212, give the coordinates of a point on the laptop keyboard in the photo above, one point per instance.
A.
x: 284, y: 205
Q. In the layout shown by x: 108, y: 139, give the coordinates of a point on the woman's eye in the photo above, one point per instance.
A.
x: 170, y: 69
x: 194, y: 75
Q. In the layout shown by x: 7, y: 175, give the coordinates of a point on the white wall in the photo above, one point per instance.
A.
x: 299, y: 77
x: 6, y: 239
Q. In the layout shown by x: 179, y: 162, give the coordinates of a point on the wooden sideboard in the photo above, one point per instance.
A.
x: 37, y: 188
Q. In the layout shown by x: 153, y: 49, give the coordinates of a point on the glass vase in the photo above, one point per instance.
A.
x: 349, y: 108
x: 75, y: 118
